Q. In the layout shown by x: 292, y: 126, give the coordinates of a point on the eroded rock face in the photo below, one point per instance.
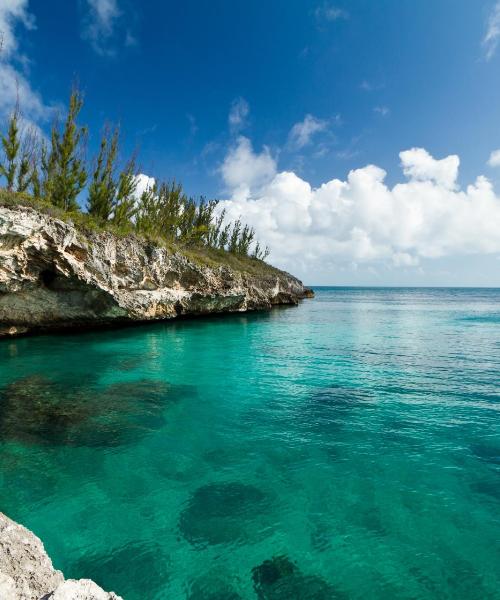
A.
x: 26, y: 572
x: 53, y: 275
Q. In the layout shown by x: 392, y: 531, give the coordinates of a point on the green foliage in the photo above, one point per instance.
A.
x: 165, y: 211
x: 56, y: 173
x: 10, y: 145
x: 64, y: 169
x: 103, y: 187
x: 26, y: 160
x: 125, y: 207
x: 259, y: 253
x: 36, y: 182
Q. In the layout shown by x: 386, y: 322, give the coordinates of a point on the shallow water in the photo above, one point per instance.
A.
x: 347, y: 448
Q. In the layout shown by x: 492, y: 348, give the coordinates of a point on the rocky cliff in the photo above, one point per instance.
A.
x: 26, y: 572
x: 54, y: 274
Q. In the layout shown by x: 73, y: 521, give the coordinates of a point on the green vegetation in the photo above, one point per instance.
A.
x: 54, y: 177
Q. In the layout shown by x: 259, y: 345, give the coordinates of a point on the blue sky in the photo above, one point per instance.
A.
x: 225, y: 96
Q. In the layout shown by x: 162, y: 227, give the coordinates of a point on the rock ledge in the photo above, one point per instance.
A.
x: 55, y: 275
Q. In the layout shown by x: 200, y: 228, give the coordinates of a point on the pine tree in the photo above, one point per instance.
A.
x: 56, y: 172
x: 224, y: 237
x: 234, y: 238
x: 64, y: 169
x: 36, y: 183
x: 148, y: 212
x: 48, y: 165
x: 23, y: 174
x: 245, y: 239
x: 260, y: 254
x: 28, y: 156
x: 125, y: 205
x: 216, y: 228
x: 11, y: 144
x: 102, y: 190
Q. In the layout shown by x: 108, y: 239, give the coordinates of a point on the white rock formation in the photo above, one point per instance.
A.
x: 26, y: 572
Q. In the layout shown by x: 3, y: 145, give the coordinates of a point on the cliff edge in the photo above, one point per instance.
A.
x: 55, y: 274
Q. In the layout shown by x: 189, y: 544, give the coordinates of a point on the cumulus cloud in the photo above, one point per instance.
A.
x: 494, y: 160
x: 14, y: 84
x: 492, y: 35
x: 103, y: 27
x: 302, y: 132
x: 362, y: 220
x: 419, y: 165
x: 144, y: 182
x: 244, y: 171
x: 238, y: 114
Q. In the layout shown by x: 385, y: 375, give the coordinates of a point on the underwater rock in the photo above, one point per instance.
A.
x: 273, y: 570
x: 56, y: 275
x: 38, y: 410
x: 221, y: 512
x: 35, y: 409
x: 26, y: 572
x: 486, y: 452
x: 125, y: 568
x: 326, y: 408
x: 280, y: 579
x: 212, y: 587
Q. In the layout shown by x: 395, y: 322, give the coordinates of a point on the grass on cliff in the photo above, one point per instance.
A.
x: 201, y: 255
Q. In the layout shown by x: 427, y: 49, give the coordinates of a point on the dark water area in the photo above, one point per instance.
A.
x: 346, y: 448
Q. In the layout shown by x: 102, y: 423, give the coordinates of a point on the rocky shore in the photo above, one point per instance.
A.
x: 26, y: 571
x: 54, y: 274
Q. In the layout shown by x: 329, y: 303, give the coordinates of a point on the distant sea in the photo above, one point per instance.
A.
x: 347, y: 448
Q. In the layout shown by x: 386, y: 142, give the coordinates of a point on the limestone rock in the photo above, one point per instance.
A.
x: 83, y: 589
x: 26, y: 572
x: 55, y: 275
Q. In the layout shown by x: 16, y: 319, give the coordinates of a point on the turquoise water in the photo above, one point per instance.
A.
x: 347, y: 448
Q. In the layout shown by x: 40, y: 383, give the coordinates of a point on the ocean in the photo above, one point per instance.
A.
x: 345, y: 448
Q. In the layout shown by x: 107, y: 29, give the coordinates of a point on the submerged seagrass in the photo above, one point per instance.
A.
x: 54, y: 274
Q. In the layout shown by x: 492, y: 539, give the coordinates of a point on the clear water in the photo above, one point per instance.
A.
x: 353, y: 443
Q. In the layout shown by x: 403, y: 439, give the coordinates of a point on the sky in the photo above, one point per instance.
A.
x: 360, y: 139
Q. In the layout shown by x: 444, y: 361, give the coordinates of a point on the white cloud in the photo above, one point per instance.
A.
x: 12, y: 12
x: 362, y: 220
x: 238, y: 114
x: 14, y: 84
x: 494, y: 160
x: 383, y: 111
x: 419, y: 165
x: 144, y: 182
x: 492, y: 35
x: 368, y: 86
x: 329, y: 12
x: 103, y: 27
x: 244, y: 172
x: 302, y: 132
